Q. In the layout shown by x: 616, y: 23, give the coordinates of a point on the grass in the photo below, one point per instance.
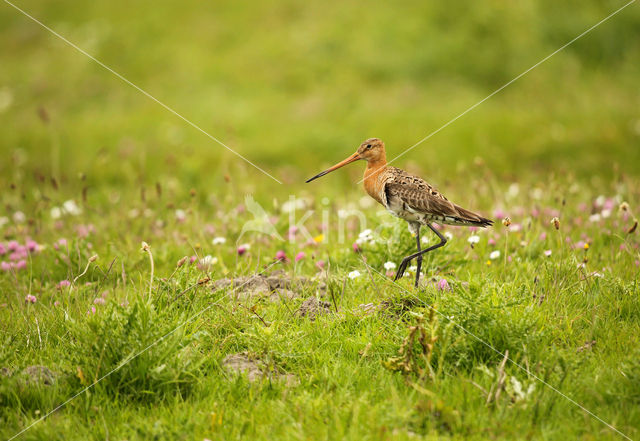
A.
x: 91, y: 167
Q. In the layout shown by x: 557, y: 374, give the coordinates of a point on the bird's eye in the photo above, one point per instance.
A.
x: 368, y: 146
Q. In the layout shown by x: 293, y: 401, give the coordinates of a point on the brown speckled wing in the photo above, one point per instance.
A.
x: 417, y: 196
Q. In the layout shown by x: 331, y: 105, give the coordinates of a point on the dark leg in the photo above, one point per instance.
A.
x: 406, y: 260
x: 419, y: 259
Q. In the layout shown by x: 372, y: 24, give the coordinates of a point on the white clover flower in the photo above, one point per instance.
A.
x: 448, y: 235
x: 513, y: 190
x: 473, y: 239
x: 494, y: 255
x: 537, y: 193
x: 246, y: 246
x: 180, y: 215
x: 412, y: 268
x: 208, y: 260
x: 389, y: 266
x: 70, y: 207
x: 606, y: 213
x: 365, y: 233
x: 292, y: 205
x: 218, y: 240
x: 19, y: 217
x: 354, y: 274
x: 600, y: 200
x: 547, y: 253
x: 425, y: 240
x: 595, y: 217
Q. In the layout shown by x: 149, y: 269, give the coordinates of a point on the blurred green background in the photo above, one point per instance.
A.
x: 295, y: 86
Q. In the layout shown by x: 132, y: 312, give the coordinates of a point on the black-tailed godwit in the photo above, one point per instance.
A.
x: 408, y: 197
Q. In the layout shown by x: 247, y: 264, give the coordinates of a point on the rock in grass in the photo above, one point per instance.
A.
x: 33, y: 375
x: 274, y: 287
x: 255, y: 369
x: 312, y: 307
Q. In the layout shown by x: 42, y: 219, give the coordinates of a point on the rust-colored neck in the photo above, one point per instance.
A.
x: 372, y: 174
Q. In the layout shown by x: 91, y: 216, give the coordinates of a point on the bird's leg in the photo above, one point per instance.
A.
x: 419, y: 259
x: 406, y: 260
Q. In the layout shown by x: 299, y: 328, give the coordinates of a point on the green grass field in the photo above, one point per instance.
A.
x: 141, y: 343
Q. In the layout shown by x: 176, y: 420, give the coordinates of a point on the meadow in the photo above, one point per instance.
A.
x: 154, y: 285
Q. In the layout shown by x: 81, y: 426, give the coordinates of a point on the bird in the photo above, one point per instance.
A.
x: 408, y: 197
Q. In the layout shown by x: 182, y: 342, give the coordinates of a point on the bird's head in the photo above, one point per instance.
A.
x: 370, y: 150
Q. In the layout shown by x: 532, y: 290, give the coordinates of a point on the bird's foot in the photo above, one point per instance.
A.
x: 401, y: 269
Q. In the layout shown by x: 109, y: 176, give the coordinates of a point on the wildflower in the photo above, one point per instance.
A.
x: 473, y: 240
x: 506, y: 221
x: 624, y: 206
x: 192, y: 259
x: 99, y: 301
x: 443, y: 285
x: 63, y: 284
x: 488, y: 263
x: 319, y: 238
x: 356, y: 247
x: 281, y: 255
x: 595, y: 217
x: 365, y: 236
x: 218, y: 240
x: 55, y: 213
x: 543, y: 236
x: 12, y: 245
x: 516, y: 227
x: 448, y: 235
x: 390, y: 273
x: 300, y: 256
x: 585, y: 246
x: 30, y: 299
x: 19, y: 217
x: 3, y: 250
x: 5, y: 266
x: 31, y: 245
x: 3, y: 221
x: 181, y: 216
x: 21, y: 264
x: 389, y: 265
x: 556, y: 223
x: 181, y: 262
x: 491, y: 241
x: 292, y: 205
x: 499, y: 214
x: 494, y: 255
x: 71, y: 207
x: 605, y: 213
x: 320, y: 264
x: 547, y: 253
x: 354, y: 274
x: 242, y: 249
x: 92, y: 310
x: 208, y: 261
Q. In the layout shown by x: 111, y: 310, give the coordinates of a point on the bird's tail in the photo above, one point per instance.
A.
x: 466, y: 217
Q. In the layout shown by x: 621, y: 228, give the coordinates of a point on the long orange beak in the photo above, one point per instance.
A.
x: 349, y: 160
